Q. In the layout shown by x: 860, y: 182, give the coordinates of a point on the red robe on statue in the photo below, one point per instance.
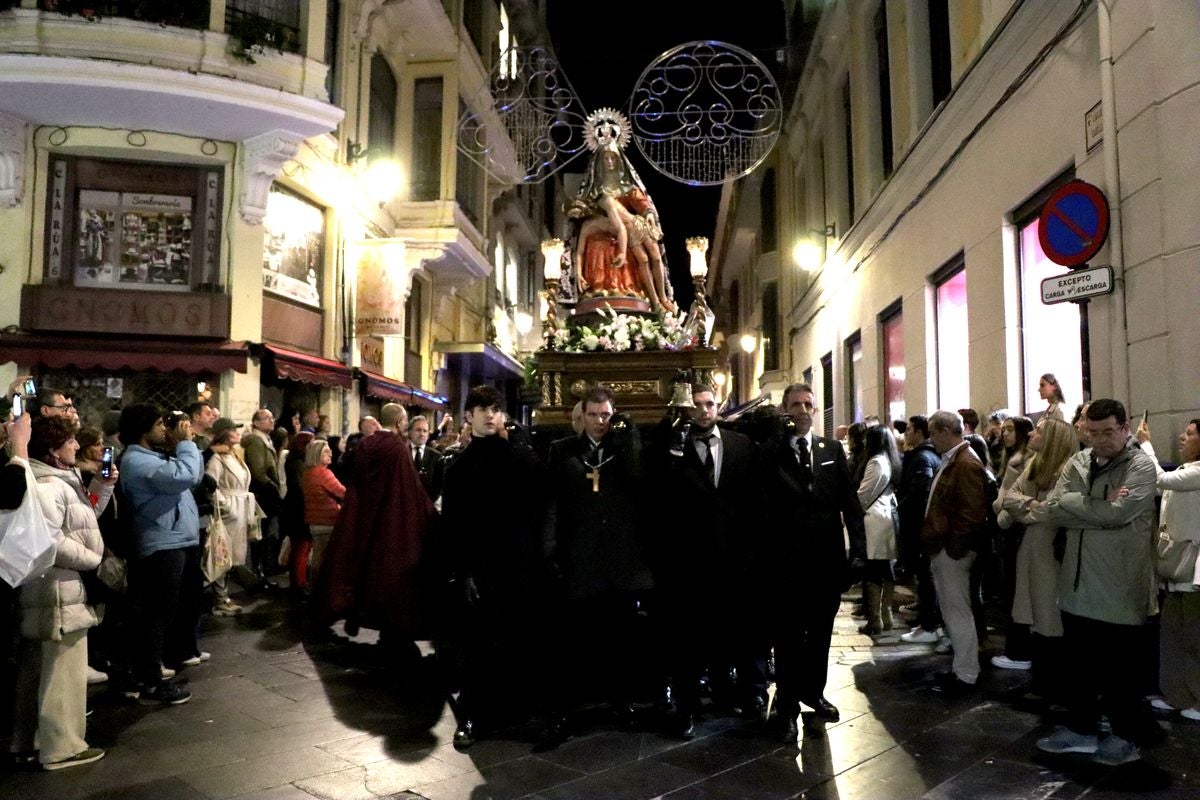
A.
x: 369, y: 573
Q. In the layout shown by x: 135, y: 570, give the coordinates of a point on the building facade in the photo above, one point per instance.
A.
x: 258, y: 202
x: 889, y: 252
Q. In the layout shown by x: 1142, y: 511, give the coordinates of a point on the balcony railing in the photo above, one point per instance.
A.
x: 181, y: 13
x: 257, y: 33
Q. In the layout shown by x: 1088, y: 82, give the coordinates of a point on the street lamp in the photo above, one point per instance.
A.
x: 552, y: 252
x: 807, y: 253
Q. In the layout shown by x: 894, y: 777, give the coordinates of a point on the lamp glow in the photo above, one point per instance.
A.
x: 524, y: 322
x: 807, y: 255
x: 552, y: 251
x: 697, y: 246
x: 719, y: 379
x: 749, y: 342
x: 383, y: 180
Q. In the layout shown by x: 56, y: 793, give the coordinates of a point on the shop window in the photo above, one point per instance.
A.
x: 293, y: 247
x: 1050, y: 334
x: 96, y: 392
x: 891, y: 332
x: 131, y: 225
x: 427, y: 139
x: 854, y: 378
x: 954, y: 385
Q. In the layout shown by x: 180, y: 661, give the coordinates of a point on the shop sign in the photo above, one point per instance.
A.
x: 370, y: 349
x: 62, y: 308
x: 382, y: 289
x: 1078, y: 284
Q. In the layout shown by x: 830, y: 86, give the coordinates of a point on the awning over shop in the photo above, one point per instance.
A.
x: 62, y: 352
x: 293, y: 366
x: 480, y: 360
x: 383, y: 388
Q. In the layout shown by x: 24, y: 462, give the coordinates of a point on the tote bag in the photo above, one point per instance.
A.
x: 27, y: 545
x: 217, y: 558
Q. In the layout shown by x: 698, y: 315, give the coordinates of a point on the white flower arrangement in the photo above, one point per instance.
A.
x: 618, y: 333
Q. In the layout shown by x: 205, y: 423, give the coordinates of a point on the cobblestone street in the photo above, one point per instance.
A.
x: 274, y: 719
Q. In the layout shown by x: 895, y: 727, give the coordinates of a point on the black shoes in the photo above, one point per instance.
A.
x: 823, y: 709
x: 464, y: 735
x: 784, y: 729
x: 558, y: 731
x: 949, y: 684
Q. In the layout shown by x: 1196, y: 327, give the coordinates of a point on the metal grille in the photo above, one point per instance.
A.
x: 92, y: 392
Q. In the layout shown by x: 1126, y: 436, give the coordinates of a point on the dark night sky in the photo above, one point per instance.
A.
x: 604, y: 52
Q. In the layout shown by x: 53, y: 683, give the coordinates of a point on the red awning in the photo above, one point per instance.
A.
x: 131, y: 352
x: 304, y: 368
x: 393, y: 391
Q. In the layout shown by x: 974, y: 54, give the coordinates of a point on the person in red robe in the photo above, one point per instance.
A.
x: 370, y: 575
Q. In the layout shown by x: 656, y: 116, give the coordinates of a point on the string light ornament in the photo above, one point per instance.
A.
x: 703, y: 113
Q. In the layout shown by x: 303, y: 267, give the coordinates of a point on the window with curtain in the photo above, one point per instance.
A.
x: 954, y: 385
x: 891, y: 333
x: 426, y: 178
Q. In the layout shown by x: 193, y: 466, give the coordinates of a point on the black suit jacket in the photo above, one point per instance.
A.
x: 807, y: 547
x: 431, y: 470
x: 704, y: 532
x: 595, y: 538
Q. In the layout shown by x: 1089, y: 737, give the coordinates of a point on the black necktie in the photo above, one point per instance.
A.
x: 416, y: 456
x: 710, y: 463
x: 802, y: 456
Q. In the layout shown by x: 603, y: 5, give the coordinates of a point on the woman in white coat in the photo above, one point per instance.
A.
x: 1179, y: 638
x: 51, y: 693
x: 877, y: 496
x: 235, y: 504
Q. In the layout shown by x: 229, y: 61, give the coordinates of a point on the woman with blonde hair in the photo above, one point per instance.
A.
x: 323, y: 497
x: 1035, y: 600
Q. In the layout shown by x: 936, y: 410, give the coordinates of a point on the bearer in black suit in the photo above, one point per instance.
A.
x: 811, y: 496
x: 593, y: 541
x: 426, y: 459
x: 709, y: 553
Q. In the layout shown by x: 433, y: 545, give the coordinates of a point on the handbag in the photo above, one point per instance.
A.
x: 27, y: 545
x: 1176, y: 558
x: 217, y: 558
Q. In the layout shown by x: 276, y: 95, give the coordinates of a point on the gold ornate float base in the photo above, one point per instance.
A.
x: 641, y: 381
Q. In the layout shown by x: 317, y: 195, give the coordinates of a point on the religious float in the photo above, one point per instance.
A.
x: 703, y: 113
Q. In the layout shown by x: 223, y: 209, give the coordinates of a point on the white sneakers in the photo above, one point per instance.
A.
x: 197, y: 659
x: 1191, y: 713
x: 1004, y: 662
x: 95, y: 676
x: 919, y: 635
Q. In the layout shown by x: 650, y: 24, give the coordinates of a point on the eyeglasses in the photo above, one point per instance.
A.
x: 64, y: 407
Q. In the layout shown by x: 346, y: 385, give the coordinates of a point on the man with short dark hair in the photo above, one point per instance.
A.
x: 921, y: 463
x: 1105, y: 500
x: 710, y: 534
x: 55, y: 403
x: 970, y: 420
x: 493, y: 544
x: 810, y: 498
x: 203, y: 416
x: 956, y: 509
x: 593, y: 538
x: 166, y: 526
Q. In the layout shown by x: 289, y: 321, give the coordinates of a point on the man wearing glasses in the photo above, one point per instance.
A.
x: 56, y: 404
x: 1105, y: 500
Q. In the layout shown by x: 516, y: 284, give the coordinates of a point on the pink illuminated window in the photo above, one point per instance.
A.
x: 892, y: 330
x: 1050, y: 339
x: 954, y: 385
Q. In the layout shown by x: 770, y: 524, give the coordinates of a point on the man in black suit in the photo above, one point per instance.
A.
x: 593, y: 539
x: 426, y: 459
x: 708, y: 555
x: 811, y: 496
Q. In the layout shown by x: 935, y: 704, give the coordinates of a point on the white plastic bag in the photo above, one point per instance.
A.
x: 27, y: 545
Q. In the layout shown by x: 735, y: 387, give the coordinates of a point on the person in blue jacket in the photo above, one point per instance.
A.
x: 159, y: 468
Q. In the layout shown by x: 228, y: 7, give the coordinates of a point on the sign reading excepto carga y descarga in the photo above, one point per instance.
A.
x: 1077, y: 284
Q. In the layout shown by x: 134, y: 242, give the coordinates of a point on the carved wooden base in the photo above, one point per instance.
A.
x: 641, y: 381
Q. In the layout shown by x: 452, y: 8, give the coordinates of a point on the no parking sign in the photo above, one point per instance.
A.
x: 1074, y: 224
